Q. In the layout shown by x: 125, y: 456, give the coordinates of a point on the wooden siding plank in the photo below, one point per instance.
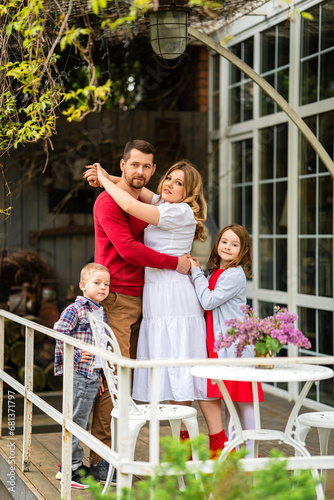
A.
x: 14, y: 223
x: 30, y: 209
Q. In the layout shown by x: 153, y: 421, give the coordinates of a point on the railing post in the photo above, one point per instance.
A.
x: 154, y: 423
x: 2, y: 352
x: 66, y: 455
x: 123, y: 424
x: 28, y: 386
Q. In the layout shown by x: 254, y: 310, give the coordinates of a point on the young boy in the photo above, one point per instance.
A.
x: 94, y: 283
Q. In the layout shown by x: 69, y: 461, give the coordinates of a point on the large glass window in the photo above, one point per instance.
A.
x: 241, y: 87
x: 316, y: 212
x: 273, y: 211
x: 317, y: 54
x: 275, y: 43
x: 242, y: 183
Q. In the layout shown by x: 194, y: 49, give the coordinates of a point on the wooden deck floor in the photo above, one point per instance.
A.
x: 41, y: 483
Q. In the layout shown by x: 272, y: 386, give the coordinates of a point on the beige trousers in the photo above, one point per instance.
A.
x: 124, y: 316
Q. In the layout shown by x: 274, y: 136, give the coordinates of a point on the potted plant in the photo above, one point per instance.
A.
x: 267, y: 335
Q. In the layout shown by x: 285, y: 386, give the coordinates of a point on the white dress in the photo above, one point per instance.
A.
x: 173, y: 325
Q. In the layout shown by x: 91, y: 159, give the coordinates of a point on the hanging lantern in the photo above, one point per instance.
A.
x: 169, y: 34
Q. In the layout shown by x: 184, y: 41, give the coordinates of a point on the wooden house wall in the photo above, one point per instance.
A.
x: 100, y: 137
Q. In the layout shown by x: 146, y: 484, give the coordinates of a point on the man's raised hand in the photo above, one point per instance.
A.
x: 183, y: 266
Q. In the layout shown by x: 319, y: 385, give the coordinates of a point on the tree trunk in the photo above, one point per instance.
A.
x: 54, y: 383
x: 44, y: 352
x: 13, y: 331
x: 17, y: 353
x: 39, y: 378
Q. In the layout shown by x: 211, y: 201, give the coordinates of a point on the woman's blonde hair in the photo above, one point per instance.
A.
x: 244, y: 258
x: 193, y: 194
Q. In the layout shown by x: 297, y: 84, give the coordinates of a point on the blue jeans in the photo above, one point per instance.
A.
x: 85, y: 391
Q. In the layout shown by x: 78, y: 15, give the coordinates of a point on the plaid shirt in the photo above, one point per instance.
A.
x: 73, y: 321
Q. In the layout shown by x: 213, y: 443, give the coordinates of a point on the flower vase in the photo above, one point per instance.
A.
x: 267, y: 354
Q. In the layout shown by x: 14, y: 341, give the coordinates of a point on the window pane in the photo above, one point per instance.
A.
x: 307, y: 215
x: 267, y: 105
x: 326, y: 391
x: 266, y: 209
x: 266, y: 139
x: 283, y: 83
x: 281, y: 265
x: 249, y: 160
x: 268, y: 49
x: 282, y: 148
x: 234, y: 71
x: 325, y: 205
x: 327, y: 22
x: 248, y: 101
x: 265, y: 309
x: 266, y: 259
x: 310, y: 30
x: 307, y: 253
x: 281, y: 207
x: 235, y: 99
x: 326, y: 267
x: 326, y: 332
x: 237, y: 162
x: 249, y: 51
x: 327, y: 75
x: 237, y: 206
x: 283, y: 44
x: 309, y: 81
x: 249, y: 209
x: 307, y: 325
x: 308, y: 163
x: 326, y: 136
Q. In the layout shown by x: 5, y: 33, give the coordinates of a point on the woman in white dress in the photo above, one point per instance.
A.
x: 173, y: 325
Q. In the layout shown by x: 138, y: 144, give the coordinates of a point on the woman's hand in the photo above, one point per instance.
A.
x: 91, y: 175
x: 101, y: 174
x: 194, y: 262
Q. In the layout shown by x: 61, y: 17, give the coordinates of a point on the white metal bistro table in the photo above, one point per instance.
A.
x: 280, y: 373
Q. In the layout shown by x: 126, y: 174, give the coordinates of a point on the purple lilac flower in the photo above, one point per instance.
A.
x: 251, y: 330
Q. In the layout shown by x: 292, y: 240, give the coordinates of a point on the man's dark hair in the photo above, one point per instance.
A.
x: 142, y: 146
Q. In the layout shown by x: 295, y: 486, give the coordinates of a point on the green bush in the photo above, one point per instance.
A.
x: 228, y: 481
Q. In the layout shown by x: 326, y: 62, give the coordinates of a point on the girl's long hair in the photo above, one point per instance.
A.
x: 244, y: 258
x: 193, y: 194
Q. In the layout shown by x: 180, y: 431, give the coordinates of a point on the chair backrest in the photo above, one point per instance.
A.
x: 106, y: 339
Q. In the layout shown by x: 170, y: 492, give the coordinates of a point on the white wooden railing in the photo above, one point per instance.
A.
x: 124, y: 366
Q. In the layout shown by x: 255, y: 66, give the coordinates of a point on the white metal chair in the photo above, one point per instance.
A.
x: 323, y: 421
x: 138, y: 414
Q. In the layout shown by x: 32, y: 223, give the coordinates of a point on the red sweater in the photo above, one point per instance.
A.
x: 119, y: 247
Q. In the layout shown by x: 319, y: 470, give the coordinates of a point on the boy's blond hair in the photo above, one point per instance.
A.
x: 89, y: 269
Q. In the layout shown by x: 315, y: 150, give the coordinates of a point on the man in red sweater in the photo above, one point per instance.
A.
x: 119, y: 247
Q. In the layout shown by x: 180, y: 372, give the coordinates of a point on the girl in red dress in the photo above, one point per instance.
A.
x: 221, y: 296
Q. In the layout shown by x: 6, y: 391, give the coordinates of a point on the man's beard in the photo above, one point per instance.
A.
x: 133, y: 182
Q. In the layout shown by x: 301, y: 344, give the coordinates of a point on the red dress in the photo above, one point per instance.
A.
x: 240, y: 392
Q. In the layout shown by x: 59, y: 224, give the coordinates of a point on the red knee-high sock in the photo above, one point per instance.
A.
x: 216, y: 443
x: 184, y: 436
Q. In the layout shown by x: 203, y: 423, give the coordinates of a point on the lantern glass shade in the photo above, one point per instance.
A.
x: 169, y: 30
